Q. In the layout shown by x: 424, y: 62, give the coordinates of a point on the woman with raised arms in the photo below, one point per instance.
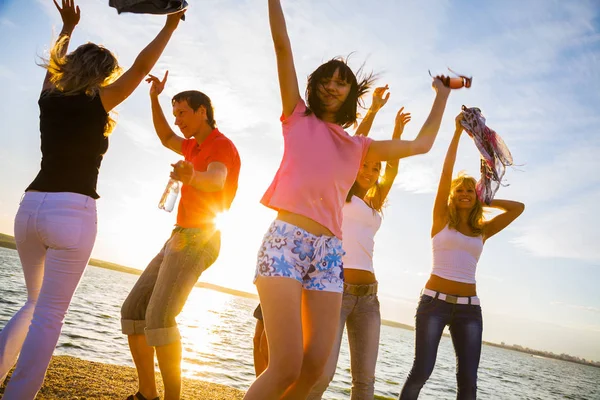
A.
x: 450, y: 297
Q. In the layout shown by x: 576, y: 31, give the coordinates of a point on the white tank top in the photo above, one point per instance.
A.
x: 455, y: 255
x: 359, y: 226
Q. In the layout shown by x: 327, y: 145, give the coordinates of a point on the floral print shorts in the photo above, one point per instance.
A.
x: 291, y: 252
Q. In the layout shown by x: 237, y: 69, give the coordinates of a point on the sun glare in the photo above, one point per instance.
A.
x: 223, y: 221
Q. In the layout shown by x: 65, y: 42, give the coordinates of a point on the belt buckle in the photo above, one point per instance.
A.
x: 451, y: 299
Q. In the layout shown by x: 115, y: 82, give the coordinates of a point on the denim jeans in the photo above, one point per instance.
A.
x: 361, y: 316
x: 55, y: 234
x: 466, y: 327
x: 163, y: 288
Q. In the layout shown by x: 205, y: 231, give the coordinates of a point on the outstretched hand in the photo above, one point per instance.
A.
x: 69, y: 13
x: 157, y: 85
x: 402, y: 119
x: 378, y: 98
x: 183, y: 171
x: 439, y: 86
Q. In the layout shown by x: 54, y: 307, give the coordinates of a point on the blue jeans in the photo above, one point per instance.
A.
x: 362, y: 319
x: 466, y: 327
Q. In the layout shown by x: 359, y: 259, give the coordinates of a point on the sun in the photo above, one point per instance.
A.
x: 223, y: 221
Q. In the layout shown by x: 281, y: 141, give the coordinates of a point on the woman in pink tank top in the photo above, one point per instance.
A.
x: 299, y: 273
x: 360, y: 312
x: 458, y: 233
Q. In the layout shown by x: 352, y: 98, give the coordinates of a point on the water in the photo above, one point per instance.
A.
x: 217, y: 331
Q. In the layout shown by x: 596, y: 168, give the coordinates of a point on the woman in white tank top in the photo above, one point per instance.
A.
x: 450, y: 297
x: 360, y: 305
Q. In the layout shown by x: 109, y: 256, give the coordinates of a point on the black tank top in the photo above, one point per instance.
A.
x: 73, y: 143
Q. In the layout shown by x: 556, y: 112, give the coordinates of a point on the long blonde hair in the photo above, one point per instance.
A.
x: 85, y: 70
x: 476, y: 215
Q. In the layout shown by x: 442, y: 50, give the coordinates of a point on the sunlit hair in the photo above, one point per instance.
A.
x: 347, y: 114
x: 195, y: 100
x: 85, y: 70
x: 476, y: 215
x: 373, y: 196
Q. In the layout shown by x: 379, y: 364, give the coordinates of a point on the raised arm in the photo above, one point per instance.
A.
x: 70, y: 15
x: 378, y: 102
x: 512, y: 209
x: 384, y: 150
x: 115, y: 93
x: 166, y: 135
x: 288, y: 81
x: 391, y: 167
x: 440, y: 206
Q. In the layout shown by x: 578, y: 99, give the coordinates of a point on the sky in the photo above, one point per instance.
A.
x: 536, y: 77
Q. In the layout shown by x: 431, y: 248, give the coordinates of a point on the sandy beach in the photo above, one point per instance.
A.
x: 75, y: 379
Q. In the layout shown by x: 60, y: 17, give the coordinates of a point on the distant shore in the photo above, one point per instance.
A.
x: 72, y: 378
x: 9, y: 242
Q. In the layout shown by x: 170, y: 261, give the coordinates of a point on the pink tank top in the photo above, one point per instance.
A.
x: 320, y: 163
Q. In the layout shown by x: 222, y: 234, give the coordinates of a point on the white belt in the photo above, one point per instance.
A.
x: 448, y: 298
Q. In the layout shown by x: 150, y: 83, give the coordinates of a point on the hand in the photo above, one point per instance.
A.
x: 69, y: 13
x: 157, y: 85
x: 402, y: 119
x: 457, y: 121
x: 439, y: 87
x: 173, y: 19
x: 183, y: 171
x: 378, y: 99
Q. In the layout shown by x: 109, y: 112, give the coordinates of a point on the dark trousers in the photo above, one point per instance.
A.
x: 466, y: 327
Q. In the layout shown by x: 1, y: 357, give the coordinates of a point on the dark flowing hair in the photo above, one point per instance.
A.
x: 195, y: 99
x: 373, y: 195
x: 347, y: 114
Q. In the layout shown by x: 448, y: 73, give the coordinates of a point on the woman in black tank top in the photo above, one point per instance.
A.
x: 55, y: 226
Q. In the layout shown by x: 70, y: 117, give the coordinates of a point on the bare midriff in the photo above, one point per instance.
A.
x: 358, y: 276
x: 309, y: 225
x: 447, y: 286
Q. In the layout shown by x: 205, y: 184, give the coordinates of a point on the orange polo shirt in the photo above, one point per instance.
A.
x: 197, y: 209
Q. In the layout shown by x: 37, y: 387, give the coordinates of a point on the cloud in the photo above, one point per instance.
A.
x: 565, y: 231
x: 6, y: 72
x: 7, y: 23
x: 418, y: 176
x: 142, y: 134
x: 595, y: 310
x: 566, y: 169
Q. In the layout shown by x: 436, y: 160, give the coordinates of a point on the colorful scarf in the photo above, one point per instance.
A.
x: 495, y: 156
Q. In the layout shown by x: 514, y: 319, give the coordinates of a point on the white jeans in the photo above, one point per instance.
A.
x: 55, y: 234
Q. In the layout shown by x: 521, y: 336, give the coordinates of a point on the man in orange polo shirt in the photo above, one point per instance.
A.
x: 210, y: 179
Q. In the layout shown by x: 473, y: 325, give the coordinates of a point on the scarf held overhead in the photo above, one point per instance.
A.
x: 149, y: 6
x: 495, y: 156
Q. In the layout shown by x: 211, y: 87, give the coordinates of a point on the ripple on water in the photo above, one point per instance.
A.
x: 217, y: 331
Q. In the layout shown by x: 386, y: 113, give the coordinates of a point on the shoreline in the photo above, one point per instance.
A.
x: 7, y: 241
x: 73, y: 378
